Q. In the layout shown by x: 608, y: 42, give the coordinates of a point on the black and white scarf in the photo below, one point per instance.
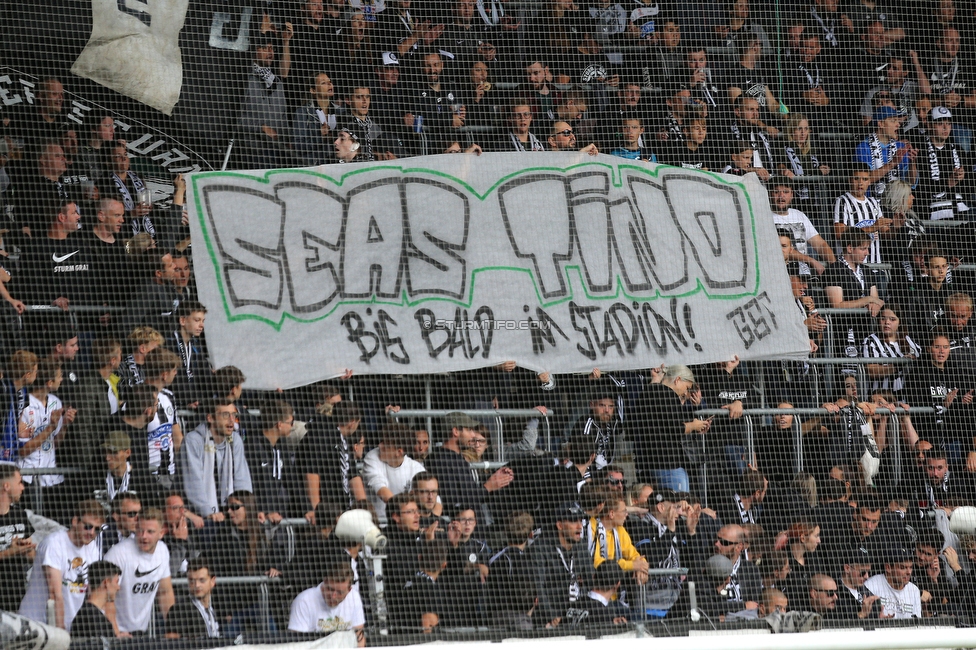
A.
x: 209, y: 619
x: 744, y: 514
x: 123, y: 482
x: 881, y: 155
x: 934, y: 501
x: 734, y: 589
x: 266, y: 75
x: 944, y: 79
x: 534, y: 143
x: 185, y: 352
x: 497, y: 12
x: 941, y: 206
x: 828, y: 25
x: 137, y: 184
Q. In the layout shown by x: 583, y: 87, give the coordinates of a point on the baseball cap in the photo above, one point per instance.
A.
x: 899, y: 554
x: 940, y: 113
x: 858, y: 556
x: 389, y: 58
x: 458, y: 420
x: 884, y: 112
x: 666, y: 495
x: 570, y: 512
x: 117, y: 441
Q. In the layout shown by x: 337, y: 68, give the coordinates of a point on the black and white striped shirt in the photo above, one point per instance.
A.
x: 860, y: 213
x: 876, y: 348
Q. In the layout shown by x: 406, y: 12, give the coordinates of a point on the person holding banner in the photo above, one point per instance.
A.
x: 665, y: 441
x: 264, y: 114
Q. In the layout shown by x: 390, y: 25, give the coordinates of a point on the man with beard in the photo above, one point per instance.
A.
x: 604, y: 423
x: 803, y: 231
x: 560, y: 566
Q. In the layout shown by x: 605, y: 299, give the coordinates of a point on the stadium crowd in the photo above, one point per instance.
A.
x: 171, y: 469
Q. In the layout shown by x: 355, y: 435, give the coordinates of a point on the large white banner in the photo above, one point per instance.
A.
x: 559, y: 261
x: 134, y: 50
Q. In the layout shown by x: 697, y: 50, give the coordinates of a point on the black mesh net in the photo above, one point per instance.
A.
x: 678, y: 461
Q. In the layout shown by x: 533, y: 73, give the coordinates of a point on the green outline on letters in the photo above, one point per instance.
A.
x: 616, y: 180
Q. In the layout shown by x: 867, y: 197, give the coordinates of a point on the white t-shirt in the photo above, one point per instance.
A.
x: 141, y: 573
x: 903, y: 603
x: 37, y: 415
x: 58, y: 552
x: 310, y: 613
x: 378, y: 474
x: 803, y: 231
x: 160, y: 434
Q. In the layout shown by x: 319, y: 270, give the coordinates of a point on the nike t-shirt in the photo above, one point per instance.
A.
x: 141, y: 573
x: 53, y: 268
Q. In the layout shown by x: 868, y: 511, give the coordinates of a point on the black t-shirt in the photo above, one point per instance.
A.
x: 110, y: 265
x: 927, y: 385
x: 753, y: 83
x: 91, y: 622
x: 326, y: 453
x: 585, y: 68
x: 678, y: 154
x: 661, y: 430
x: 13, y: 571
x: 56, y: 268
x: 37, y: 198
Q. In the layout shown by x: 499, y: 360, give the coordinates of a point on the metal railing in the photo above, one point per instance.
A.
x: 498, y: 416
x: 798, y: 458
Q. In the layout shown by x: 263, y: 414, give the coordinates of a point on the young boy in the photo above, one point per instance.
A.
x: 165, y: 433
x: 742, y: 156
x: 692, y: 152
x: 855, y: 209
x: 103, y: 584
x: 630, y: 132
x: 186, y: 343
x: 45, y: 419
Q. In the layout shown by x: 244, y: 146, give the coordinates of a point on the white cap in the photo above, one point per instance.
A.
x: 940, y: 113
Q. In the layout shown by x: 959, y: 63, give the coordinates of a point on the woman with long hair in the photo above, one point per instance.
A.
x: 798, y: 157
x: 802, y: 539
x: 891, y: 342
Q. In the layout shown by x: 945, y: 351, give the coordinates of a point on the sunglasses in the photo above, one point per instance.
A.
x: 234, y: 507
x: 131, y: 514
x: 725, y: 542
x: 565, y: 132
x: 90, y: 527
x: 830, y: 592
x: 616, y: 481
